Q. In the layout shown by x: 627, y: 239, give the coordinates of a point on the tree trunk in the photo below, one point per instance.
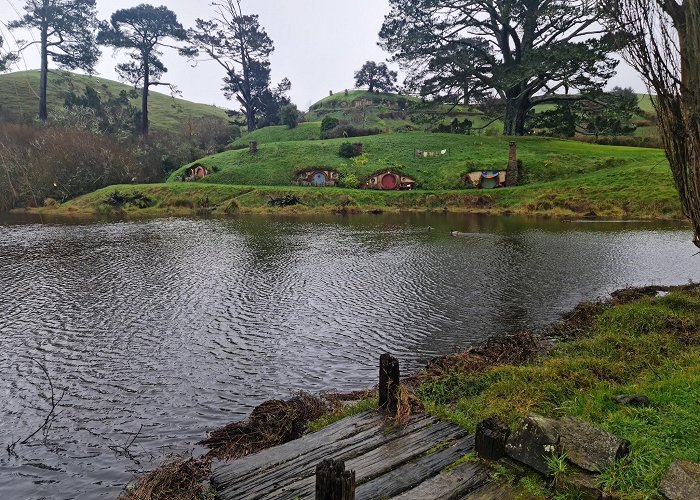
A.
x: 248, y: 96
x: 144, y: 96
x: 516, y: 112
x: 44, y: 76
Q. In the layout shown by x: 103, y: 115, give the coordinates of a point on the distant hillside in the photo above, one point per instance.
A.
x: 19, y: 95
x: 388, y: 111
x: 393, y: 112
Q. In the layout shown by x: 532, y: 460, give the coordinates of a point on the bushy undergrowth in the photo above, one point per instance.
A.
x: 39, y: 163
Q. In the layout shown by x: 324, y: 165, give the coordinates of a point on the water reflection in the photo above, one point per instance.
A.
x: 184, y: 325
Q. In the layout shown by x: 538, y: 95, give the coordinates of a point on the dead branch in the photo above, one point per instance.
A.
x: 125, y: 451
x: 50, y: 417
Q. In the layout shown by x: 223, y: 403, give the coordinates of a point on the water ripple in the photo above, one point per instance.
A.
x: 184, y: 325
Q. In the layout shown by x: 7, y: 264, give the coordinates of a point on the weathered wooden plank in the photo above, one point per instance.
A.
x: 224, y: 471
x: 303, y: 466
x: 449, y: 485
x: 394, y: 453
x: 253, y: 485
x: 413, y: 473
x: 492, y: 491
x: 380, y: 460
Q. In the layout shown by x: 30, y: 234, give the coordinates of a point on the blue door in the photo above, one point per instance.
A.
x: 319, y: 179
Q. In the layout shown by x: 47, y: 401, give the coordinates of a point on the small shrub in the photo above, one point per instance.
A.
x: 329, y: 123
x: 284, y: 201
x: 348, y: 150
x: 118, y: 200
x: 349, y: 181
x: 347, y: 130
x: 290, y: 115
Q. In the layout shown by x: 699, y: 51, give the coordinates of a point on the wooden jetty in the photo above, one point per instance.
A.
x: 420, y: 460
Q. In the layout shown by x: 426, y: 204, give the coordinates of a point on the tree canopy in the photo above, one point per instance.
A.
x: 610, y: 114
x: 6, y: 59
x: 66, y: 36
x: 144, y: 31
x: 525, y: 51
x: 242, y: 47
x: 290, y: 115
x: 376, y: 77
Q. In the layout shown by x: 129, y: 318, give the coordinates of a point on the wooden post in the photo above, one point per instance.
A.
x: 512, y: 170
x: 333, y: 482
x: 253, y: 147
x: 490, y: 439
x: 389, y: 384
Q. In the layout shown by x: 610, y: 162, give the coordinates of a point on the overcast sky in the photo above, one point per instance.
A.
x: 319, y: 45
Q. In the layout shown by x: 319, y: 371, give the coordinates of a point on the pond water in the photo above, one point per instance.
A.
x: 176, y: 327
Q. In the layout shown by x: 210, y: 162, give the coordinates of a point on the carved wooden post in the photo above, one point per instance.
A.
x: 253, y: 147
x: 490, y: 439
x: 333, y: 482
x: 389, y: 384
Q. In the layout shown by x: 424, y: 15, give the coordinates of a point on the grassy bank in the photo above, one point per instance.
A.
x: 650, y: 346
x: 620, y: 192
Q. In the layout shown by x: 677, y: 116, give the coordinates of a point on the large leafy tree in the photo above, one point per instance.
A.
x: 663, y: 43
x: 242, y: 47
x: 66, y: 36
x: 144, y: 31
x: 376, y: 77
x: 610, y: 114
x: 526, y: 51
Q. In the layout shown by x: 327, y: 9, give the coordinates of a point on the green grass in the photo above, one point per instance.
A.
x: 621, y: 192
x: 348, y: 411
x: 19, y: 94
x: 340, y: 98
x: 308, y: 131
x: 562, y: 177
x: 544, y: 159
x: 649, y: 347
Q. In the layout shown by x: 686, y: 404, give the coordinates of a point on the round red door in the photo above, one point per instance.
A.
x: 390, y: 181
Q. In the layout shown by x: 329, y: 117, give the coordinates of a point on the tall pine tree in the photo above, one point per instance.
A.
x: 66, y: 36
x: 143, y: 30
x: 240, y: 45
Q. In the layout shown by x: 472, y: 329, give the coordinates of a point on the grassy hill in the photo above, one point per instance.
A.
x: 19, y: 94
x: 562, y: 178
x: 392, y: 113
x: 308, y: 131
x: 544, y: 159
x: 387, y: 111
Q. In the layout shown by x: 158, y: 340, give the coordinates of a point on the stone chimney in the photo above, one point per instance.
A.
x: 512, y: 170
x: 330, y: 93
x: 253, y: 147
